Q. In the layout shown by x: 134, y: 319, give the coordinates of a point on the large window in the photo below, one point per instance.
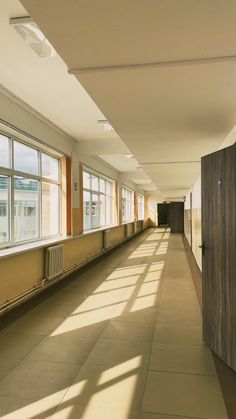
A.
x: 127, y: 205
x: 29, y: 193
x: 140, y: 204
x: 97, y: 201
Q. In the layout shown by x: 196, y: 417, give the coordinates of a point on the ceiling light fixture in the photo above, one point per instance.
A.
x: 33, y: 36
x: 129, y: 156
x: 105, y: 125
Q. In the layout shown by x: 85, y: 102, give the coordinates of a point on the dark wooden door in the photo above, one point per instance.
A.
x: 219, y: 253
x: 177, y: 217
x: 163, y: 214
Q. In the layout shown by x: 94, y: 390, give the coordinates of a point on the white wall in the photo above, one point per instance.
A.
x: 196, y: 220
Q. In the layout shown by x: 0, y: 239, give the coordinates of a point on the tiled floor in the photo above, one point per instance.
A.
x: 120, y: 341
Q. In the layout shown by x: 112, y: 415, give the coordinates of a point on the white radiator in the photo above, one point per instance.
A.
x: 54, y: 261
x: 106, y: 239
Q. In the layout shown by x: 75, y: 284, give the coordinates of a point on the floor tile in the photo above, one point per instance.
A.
x: 33, y: 325
x: 161, y: 416
x: 20, y: 408
x: 139, y: 314
x: 88, y: 324
x: 119, y: 387
x: 109, y: 352
x: 68, y: 348
x: 191, y: 359
x: 14, y: 345
x: 177, y: 315
x: 122, y: 330
x: 183, y: 394
x: 7, y: 365
x: 35, y: 379
x: 91, y: 412
x: 171, y: 333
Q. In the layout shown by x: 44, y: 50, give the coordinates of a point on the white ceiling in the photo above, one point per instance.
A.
x: 45, y: 85
x: 170, y: 114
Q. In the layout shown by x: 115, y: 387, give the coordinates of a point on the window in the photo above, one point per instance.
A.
x: 127, y: 205
x: 97, y: 201
x: 140, y: 203
x: 29, y: 193
x: 4, y: 151
x: 4, y: 209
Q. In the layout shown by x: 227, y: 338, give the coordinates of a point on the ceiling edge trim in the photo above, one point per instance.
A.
x: 171, y: 162
x: 137, y: 66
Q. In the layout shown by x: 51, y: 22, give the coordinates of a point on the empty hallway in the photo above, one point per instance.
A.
x: 119, y: 339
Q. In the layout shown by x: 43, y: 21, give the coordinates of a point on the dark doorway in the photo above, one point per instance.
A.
x: 171, y: 215
x: 219, y: 253
x: 163, y: 211
x: 177, y: 217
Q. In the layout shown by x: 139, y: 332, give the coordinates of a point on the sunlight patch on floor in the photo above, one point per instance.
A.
x: 38, y: 408
x: 148, y: 288
x: 141, y: 303
x: 120, y: 369
x: 126, y: 271
x: 117, y: 283
x: 156, y: 266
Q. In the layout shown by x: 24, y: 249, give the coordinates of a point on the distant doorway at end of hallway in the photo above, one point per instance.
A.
x: 171, y: 215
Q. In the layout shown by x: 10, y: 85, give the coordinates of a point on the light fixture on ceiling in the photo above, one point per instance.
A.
x: 105, y: 125
x: 33, y: 36
x: 129, y: 156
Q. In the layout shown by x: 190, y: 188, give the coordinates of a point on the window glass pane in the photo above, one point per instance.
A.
x: 95, y: 210
x: 25, y: 159
x: 108, y: 188
x: 102, y: 185
x: 4, y: 210
x: 86, y: 180
x: 123, y: 193
x: 123, y: 210
x: 26, y: 208
x: 4, y: 151
x: 128, y: 203
x: 108, y: 211
x: 50, y: 167
x: 94, y: 183
x: 140, y: 207
x: 50, y: 209
x: 87, y: 210
x: 103, y: 221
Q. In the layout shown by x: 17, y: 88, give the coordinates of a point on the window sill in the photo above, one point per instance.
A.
x: 95, y: 230
x: 26, y: 247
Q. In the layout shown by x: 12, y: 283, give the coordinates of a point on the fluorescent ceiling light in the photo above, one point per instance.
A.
x: 129, y: 156
x: 105, y: 125
x: 33, y: 36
